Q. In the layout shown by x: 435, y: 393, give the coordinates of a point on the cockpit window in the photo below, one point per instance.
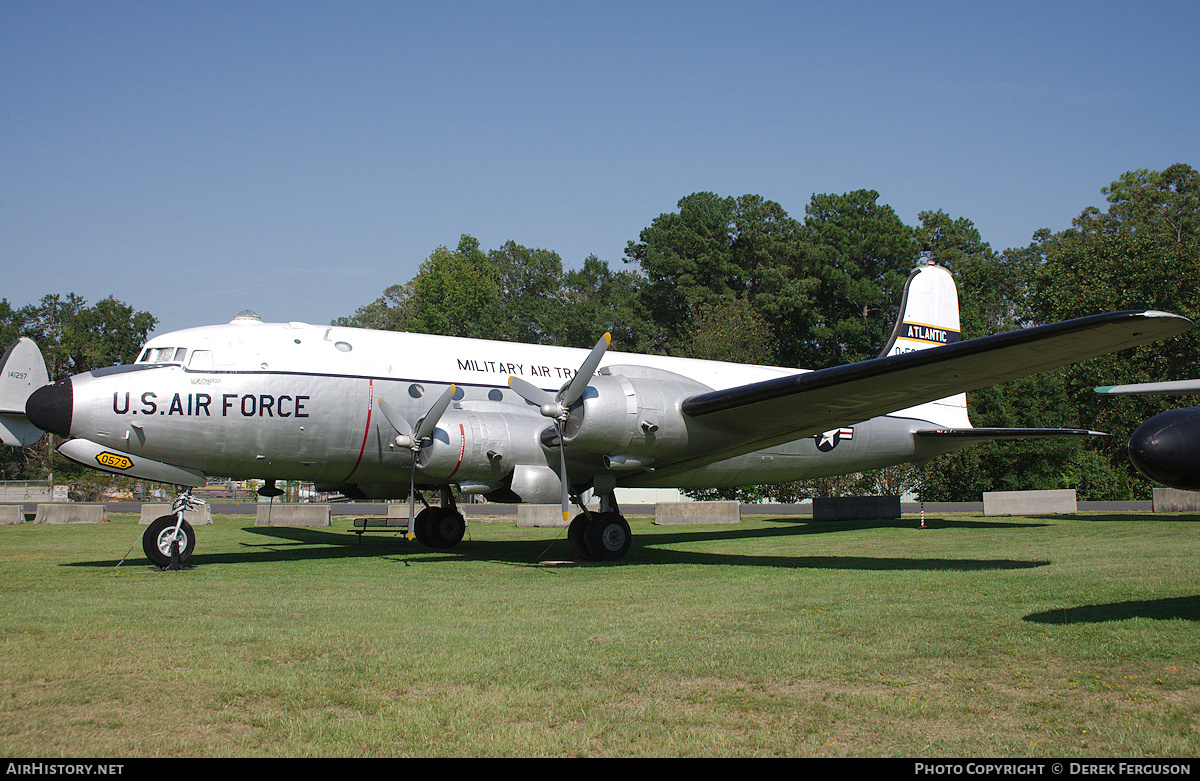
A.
x: 163, y: 355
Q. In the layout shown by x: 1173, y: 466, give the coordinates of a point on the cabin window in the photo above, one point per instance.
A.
x: 201, y: 360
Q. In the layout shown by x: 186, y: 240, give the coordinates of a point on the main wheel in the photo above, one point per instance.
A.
x: 577, y: 537
x: 421, y: 525
x: 157, y: 539
x: 607, y: 537
x: 444, y: 529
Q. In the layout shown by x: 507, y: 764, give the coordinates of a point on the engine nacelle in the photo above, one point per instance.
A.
x: 633, y: 411
x: 481, y: 446
x: 1164, y: 448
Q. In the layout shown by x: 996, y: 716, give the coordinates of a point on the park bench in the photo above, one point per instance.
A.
x: 380, y: 523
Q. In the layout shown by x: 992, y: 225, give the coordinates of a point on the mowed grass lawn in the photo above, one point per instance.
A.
x: 1068, y: 636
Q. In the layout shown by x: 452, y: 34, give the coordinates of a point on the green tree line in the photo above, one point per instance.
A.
x: 737, y: 278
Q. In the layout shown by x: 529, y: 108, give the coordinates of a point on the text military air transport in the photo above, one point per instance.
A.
x: 392, y: 415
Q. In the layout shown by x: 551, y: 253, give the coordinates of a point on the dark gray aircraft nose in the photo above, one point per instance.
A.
x: 50, y: 406
x: 1165, y: 448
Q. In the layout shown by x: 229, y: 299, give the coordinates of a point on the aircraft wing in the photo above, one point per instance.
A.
x: 771, y: 412
x: 975, y: 436
x: 1170, y: 388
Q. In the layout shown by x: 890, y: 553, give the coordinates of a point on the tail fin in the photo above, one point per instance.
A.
x: 928, y: 312
x: 929, y: 318
x: 22, y: 371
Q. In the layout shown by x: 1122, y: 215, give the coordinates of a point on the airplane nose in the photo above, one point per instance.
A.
x: 1164, y: 448
x: 50, y: 407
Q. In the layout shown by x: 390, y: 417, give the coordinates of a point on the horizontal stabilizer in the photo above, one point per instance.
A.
x: 1170, y: 388
x: 17, y: 431
x: 22, y: 371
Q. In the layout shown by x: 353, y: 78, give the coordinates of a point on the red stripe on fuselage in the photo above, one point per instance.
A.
x: 462, y: 447
x: 367, y: 430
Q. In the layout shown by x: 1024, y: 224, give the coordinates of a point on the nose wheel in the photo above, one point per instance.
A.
x: 169, y: 540
x: 165, y: 532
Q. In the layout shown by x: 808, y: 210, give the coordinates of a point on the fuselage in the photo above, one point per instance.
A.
x: 301, y: 402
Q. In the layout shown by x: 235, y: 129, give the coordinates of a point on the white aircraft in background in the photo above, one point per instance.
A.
x: 384, y: 414
x: 1166, y: 448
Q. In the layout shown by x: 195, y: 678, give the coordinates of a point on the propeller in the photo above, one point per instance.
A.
x: 558, y: 405
x: 414, y: 438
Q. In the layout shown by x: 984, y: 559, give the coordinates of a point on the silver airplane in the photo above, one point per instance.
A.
x: 1166, y: 448
x: 391, y: 415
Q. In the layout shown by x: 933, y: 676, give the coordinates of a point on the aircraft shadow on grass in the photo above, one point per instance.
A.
x: 283, y: 543
x: 1186, y: 608
x: 309, y: 544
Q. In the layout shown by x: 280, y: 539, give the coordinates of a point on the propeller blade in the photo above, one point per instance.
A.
x: 412, y: 500
x: 429, y: 422
x: 397, y: 421
x: 562, y: 473
x: 586, y: 371
x: 535, y: 395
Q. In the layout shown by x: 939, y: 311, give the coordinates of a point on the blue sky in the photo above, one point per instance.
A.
x: 194, y: 159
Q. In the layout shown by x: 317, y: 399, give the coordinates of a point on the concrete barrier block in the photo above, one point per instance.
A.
x: 198, y: 517
x: 69, y: 512
x: 677, y: 513
x: 855, y: 508
x: 1174, y: 500
x: 1054, y: 502
x: 541, y: 515
x: 397, y: 515
x: 293, y: 515
x: 11, y: 514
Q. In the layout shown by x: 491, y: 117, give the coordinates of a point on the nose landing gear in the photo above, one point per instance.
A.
x: 169, y: 540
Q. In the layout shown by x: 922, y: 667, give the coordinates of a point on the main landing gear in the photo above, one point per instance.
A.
x: 439, y: 527
x: 600, y: 536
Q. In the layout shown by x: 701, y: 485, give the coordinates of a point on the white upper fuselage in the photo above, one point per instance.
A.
x: 247, y: 344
